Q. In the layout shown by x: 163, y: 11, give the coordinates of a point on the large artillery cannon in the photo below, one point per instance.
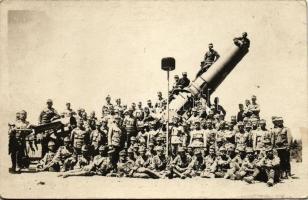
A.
x: 205, y: 84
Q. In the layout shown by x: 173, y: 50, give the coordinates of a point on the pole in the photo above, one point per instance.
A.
x: 167, y: 135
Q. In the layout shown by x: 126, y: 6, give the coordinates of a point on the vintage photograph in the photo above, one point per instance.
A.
x: 153, y: 99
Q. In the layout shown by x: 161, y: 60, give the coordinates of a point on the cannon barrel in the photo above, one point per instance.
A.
x: 211, y: 79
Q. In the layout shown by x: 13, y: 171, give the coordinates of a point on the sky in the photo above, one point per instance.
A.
x: 79, y: 52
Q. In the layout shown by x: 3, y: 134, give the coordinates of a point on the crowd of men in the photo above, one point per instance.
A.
x: 130, y: 141
x: 133, y: 141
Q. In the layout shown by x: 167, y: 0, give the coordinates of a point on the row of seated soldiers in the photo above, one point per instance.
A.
x: 140, y: 162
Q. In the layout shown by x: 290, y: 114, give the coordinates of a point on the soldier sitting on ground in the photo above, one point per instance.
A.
x: 268, y: 168
x: 44, y: 162
x: 209, y: 160
x: 179, y: 165
x: 222, y: 163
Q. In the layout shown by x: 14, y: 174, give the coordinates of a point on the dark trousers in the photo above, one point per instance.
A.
x: 16, y: 158
x: 284, y: 156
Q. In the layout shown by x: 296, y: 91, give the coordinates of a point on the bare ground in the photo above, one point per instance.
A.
x: 46, y: 184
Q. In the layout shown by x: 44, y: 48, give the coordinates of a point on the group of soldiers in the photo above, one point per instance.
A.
x: 130, y: 141
x: 139, y: 141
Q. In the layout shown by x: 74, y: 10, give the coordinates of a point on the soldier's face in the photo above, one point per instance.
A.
x: 23, y: 116
x: 51, y: 148
x: 142, y: 153
x: 68, y: 105
x: 159, y: 153
x: 122, y: 157
x: 49, y: 104
x: 211, y: 152
x: 101, y: 152
x: 66, y: 144
x: 269, y: 154
x: 210, y: 47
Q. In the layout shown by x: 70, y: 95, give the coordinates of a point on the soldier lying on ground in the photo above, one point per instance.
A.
x: 99, y: 166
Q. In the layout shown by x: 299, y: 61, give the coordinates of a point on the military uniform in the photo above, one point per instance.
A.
x: 209, y: 170
x: 197, y: 164
x: 282, y: 140
x: 79, y: 136
x: 17, y: 144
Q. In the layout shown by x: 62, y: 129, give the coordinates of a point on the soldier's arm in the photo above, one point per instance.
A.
x: 217, y: 56
x: 289, y: 136
x: 40, y: 117
x: 110, y: 131
x: 276, y: 161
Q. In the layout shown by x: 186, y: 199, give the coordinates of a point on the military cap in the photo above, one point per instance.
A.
x: 253, y: 97
x: 142, y: 140
x: 222, y: 149
x: 219, y: 139
x: 273, y: 118
x: 110, y: 151
x: 160, y: 138
x: 102, y: 148
x: 104, y: 120
x: 208, y: 121
x: 180, y: 149
x: 142, y: 149
x: 279, y: 119
x: 133, y: 138
x: 98, y: 123
x: 210, y: 44
x: 249, y: 150
x: 184, y: 73
x: 118, y: 99
x: 253, y: 119
x: 135, y: 145
x: 122, y: 153
x: 197, y: 151
x: 23, y: 112
x: 194, y: 110
x: 149, y: 101
x: 246, y: 119
x: 108, y: 97
x: 159, y: 148
x: 216, y: 116
x: 151, y: 144
x: 262, y: 121
x: 241, y: 148
x: 248, y: 125
x: 130, y: 150
x: 117, y: 117
x: 244, y: 34
x: 67, y: 139
x: 231, y: 147
x: 49, y: 101
x: 212, y: 148
x: 176, y: 76
x: 159, y: 92
x: 84, y: 148
x: 268, y: 148
x: 240, y: 124
x: 266, y: 141
x: 197, y: 122
x: 51, y: 143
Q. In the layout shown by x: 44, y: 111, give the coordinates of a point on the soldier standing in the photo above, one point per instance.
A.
x: 116, y: 137
x: 282, y: 140
x: 129, y: 123
x: 96, y: 138
x: 17, y: 143
x: 79, y: 137
x: 240, y: 114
